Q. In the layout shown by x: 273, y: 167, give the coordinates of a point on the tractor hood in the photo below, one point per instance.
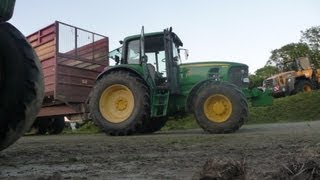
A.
x: 210, y: 63
x: 236, y: 73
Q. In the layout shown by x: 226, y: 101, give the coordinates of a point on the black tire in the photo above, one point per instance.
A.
x: 238, y: 113
x: 154, y: 124
x: 21, y: 85
x: 57, y: 125
x: 140, y: 113
x: 303, y: 86
x: 6, y: 9
x: 42, y: 125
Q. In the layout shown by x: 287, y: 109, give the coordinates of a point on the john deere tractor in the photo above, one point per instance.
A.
x: 149, y: 84
x: 21, y: 82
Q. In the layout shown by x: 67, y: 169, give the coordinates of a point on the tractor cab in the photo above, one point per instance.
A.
x: 155, y: 54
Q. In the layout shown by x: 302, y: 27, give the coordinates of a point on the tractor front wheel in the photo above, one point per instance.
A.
x: 120, y: 103
x: 303, y: 86
x: 220, y: 107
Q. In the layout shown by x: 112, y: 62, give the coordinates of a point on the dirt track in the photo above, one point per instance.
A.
x: 265, y: 149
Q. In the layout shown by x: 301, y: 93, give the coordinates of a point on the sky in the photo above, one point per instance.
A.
x: 243, y: 31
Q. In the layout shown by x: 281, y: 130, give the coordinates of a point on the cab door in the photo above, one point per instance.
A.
x: 171, y: 62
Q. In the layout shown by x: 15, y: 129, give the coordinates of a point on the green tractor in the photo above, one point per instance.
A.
x: 148, y: 84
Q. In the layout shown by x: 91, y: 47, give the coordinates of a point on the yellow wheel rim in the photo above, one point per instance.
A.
x: 217, y: 108
x: 307, y: 88
x: 116, y: 103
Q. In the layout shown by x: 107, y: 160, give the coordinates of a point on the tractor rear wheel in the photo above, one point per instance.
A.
x: 120, y: 103
x: 21, y: 85
x: 220, y: 107
x: 303, y: 86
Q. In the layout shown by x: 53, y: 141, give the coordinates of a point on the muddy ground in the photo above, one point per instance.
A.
x: 271, y: 151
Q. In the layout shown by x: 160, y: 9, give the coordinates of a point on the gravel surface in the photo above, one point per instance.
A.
x: 267, y: 151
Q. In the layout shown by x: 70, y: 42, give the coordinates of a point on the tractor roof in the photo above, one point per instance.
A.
x: 137, y: 36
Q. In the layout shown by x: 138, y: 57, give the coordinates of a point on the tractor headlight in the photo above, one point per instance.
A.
x: 246, y: 80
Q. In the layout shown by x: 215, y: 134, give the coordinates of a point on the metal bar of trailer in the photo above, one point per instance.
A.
x: 57, y: 110
x: 61, y: 55
x: 81, y: 29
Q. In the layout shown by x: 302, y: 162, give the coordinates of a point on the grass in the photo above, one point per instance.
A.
x: 87, y: 128
x: 300, y: 107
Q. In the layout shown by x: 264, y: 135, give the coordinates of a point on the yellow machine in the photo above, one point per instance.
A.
x: 302, y: 77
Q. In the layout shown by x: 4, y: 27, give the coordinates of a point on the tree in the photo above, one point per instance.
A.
x: 261, y: 74
x: 288, y: 53
x: 311, y: 37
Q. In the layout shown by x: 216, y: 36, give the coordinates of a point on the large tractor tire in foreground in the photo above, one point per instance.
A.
x: 21, y: 85
x: 220, y: 107
x: 120, y: 103
x: 6, y: 9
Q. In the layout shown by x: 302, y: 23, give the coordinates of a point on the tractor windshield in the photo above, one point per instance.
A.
x: 133, y: 56
x: 154, y: 50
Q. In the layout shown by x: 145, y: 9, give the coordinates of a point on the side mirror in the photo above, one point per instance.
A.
x: 144, y: 59
x: 186, y: 53
x: 117, y: 59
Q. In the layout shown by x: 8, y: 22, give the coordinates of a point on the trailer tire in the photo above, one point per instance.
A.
x: 120, y: 103
x: 221, y: 107
x: 42, y: 125
x: 21, y: 85
x: 57, y: 125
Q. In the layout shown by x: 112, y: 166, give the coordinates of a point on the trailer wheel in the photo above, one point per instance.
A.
x: 42, y: 125
x: 120, y: 103
x: 220, y: 107
x: 57, y: 125
x: 21, y: 85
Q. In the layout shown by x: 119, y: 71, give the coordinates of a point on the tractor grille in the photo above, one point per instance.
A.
x: 237, y: 74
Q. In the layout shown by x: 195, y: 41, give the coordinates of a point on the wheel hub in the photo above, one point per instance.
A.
x: 306, y: 88
x: 121, y: 104
x: 217, y: 108
x: 116, y: 103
